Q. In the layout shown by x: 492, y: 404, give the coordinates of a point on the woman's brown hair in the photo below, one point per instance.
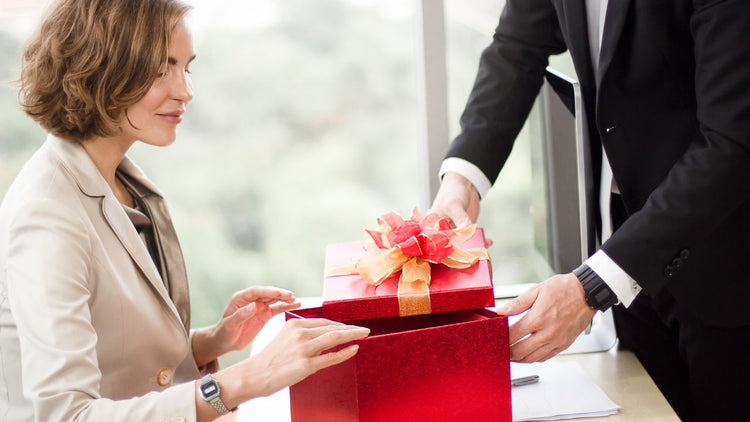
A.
x: 92, y: 59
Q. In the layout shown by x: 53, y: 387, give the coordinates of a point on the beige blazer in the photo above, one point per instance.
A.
x: 88, y: 331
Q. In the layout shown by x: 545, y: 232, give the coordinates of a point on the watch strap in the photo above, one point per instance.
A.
x: 219, y: 406
x: 596, y: 292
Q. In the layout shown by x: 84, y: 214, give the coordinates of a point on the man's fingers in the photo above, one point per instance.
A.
x: 520, y: 351
x: 526, y: 325
x: 454, y: 212
x: 537, y: 347
x: 556, y: 315
x: 458, y: 215
x: 457, y: 200
x: 520, y: 329
x: 519, y: 304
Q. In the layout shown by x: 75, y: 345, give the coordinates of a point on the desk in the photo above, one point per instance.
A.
x: 621, y: 376
x: 617, y: 372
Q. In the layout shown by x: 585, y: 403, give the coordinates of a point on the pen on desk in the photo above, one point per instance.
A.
x: 517, y: 382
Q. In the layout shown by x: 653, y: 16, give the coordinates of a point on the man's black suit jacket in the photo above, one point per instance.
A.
x: 671, y: 106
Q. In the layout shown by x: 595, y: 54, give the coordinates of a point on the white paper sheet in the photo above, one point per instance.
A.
x: 274, y: 408
x: 564, y: 391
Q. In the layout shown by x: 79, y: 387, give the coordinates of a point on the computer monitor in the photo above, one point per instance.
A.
x: 562, y: 209
x: 564, y: 232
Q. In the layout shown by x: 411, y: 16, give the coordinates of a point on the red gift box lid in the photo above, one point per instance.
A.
x: 350, y: 298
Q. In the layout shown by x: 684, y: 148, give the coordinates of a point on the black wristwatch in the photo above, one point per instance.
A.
x: 598, y: 295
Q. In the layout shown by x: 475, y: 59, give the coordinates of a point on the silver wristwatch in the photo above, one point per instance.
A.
x: 211, y: 393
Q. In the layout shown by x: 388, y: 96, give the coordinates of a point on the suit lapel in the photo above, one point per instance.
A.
x: 128, y: 236
x: 172, y: 258
x: 572, y: 14
x: 92, y: 184
x: 614, y: 21
x: 174, y: 274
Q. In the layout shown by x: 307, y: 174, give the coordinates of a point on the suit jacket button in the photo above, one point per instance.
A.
x: 684, y: 254
x: 164, y: 377
x: 676, y: 262
x: 668, y: 271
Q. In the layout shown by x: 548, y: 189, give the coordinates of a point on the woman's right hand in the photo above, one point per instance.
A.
x: 297, y: 352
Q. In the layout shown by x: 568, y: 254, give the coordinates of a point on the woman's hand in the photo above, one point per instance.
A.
x: 297, y: 352
x: 247, y: 312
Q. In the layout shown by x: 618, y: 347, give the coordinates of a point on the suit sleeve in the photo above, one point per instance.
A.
x: 510, y: 74
x: 709, y: 184
x: 48, y: 265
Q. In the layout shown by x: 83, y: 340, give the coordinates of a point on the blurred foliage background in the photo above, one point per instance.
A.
x: 303, y: 130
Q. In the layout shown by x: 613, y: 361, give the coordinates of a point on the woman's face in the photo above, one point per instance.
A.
x: 154, y: 119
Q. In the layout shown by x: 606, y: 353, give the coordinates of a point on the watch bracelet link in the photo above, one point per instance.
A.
x: 219, y: 406
x: 596, y: 292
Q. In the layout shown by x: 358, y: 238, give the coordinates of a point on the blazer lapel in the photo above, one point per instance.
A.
x: 92, y: 184
x: 614, y: 21
x: 174, y: 273
x: 128, y: 236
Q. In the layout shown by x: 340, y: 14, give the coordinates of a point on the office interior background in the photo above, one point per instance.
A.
x: 305, y: 127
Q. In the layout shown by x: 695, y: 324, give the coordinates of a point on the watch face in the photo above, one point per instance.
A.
x: 209, y: 389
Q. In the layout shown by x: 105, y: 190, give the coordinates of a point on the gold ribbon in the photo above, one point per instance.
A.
x: 414, y: 288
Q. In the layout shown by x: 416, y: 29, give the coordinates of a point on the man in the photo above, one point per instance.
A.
x: 666, y: 88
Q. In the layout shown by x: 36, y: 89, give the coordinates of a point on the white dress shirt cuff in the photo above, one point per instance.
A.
x: 618, y: 280
x: 469, y: 171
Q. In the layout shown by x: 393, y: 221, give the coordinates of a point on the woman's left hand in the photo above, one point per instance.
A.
x: 247, y: 312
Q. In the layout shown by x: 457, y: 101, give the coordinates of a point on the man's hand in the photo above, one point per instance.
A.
x: 557, y: 314
x: 457, y: 199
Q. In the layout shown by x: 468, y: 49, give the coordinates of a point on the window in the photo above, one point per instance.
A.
x: 302, y: 131
x: 304, y: 128
x: 506, y: 211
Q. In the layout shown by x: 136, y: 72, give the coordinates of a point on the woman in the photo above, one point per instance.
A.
x: 94, y: 306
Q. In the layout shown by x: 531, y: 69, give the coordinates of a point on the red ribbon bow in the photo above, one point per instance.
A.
x: 409, y: 245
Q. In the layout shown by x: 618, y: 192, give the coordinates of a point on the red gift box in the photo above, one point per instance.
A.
x: 349, y: 297
x: 440, y: 367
